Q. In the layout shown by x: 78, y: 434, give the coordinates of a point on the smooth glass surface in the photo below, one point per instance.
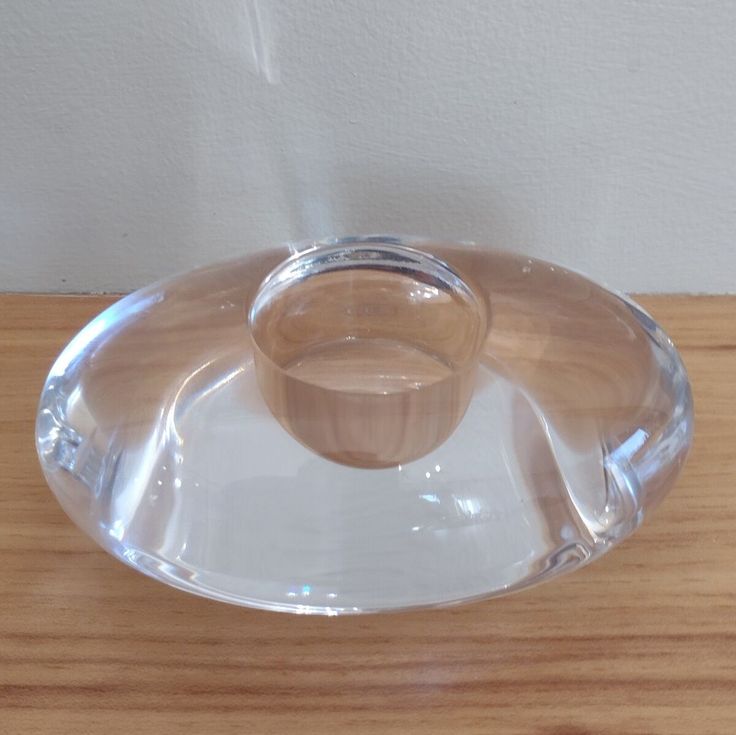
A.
x: 164, y: 442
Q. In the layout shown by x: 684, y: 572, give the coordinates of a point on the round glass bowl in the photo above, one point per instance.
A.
x: 364, y: 424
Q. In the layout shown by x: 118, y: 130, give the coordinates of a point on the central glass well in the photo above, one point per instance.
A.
x: 367, y: 352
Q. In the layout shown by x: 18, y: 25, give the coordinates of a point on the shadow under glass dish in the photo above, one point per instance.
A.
x: 187, y: 428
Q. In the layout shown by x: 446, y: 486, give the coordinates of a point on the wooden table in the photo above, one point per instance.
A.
x: 643, y: 641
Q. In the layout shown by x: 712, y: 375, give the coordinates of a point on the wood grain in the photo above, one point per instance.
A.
x: 643, y: 641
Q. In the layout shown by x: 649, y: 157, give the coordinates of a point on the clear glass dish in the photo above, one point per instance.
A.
x: 365, y: 424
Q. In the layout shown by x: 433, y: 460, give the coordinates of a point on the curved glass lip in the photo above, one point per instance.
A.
x: 160, y: 570
x: 374, y: 252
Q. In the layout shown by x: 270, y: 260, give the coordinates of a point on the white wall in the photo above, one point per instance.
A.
x: 141, y: 137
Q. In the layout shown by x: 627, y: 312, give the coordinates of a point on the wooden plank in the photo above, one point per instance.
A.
x: 643, y: 641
